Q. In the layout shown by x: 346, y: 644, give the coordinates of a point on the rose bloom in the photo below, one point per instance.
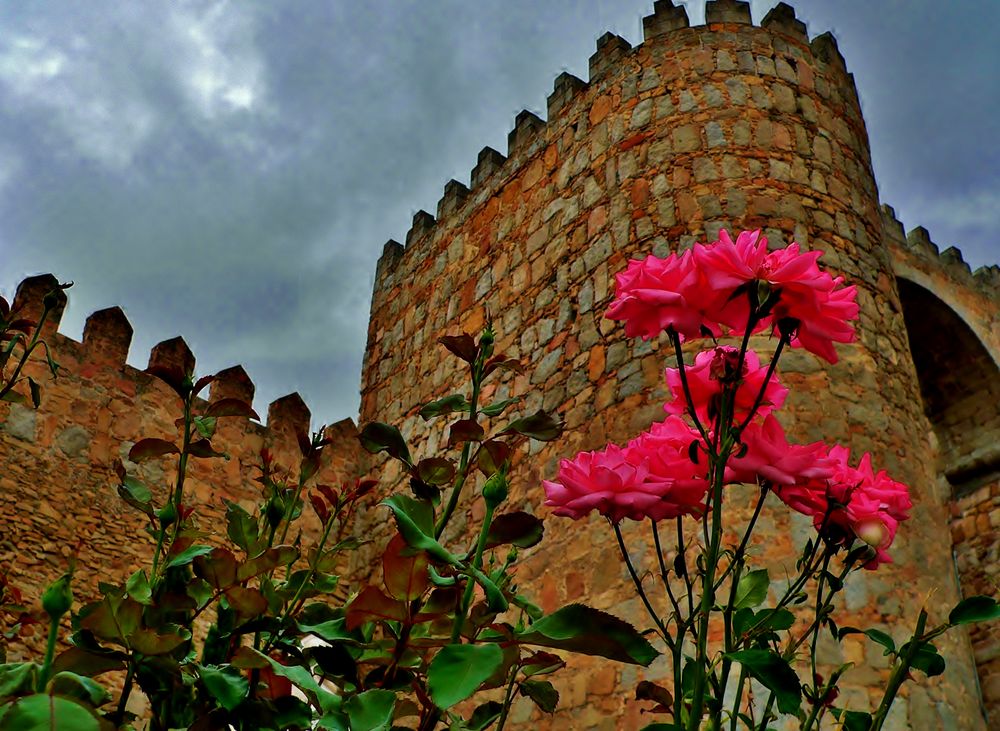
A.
x: 793, y: 470
x: 653, y: 294
x: 653, y: 477
x: 706, y: 379
x: 808, y: 300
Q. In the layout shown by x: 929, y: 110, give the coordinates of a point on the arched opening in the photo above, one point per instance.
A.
x: 960, y: 385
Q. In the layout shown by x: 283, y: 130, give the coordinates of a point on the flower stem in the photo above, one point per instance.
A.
x: 638, y: 587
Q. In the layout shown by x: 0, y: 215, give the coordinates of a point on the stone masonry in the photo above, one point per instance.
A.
x: 726, y: 125
x: 729, y: 125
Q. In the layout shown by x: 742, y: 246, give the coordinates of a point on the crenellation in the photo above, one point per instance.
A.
x: 423, y: 224
x: 919, y: 238
x: 172, y: 354
x: 666, y: 17
x: 565, y: 88
x: 781, y: 19
x: 989, y: 276
x: 288, y: 417
x: 29, y: 300
x: 825, y: 49
x: 727, y: 11
x: 611, y: 49
x: 455, y: 195
x: 392, y: 252
x: 487, y: 163
x: 107, y: 336
x: 528, y: 127
x: 952, y: 256
x: 232, y: 383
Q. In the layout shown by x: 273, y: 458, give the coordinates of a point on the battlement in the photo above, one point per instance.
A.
x: 668, y: 25
x: 102, y: 354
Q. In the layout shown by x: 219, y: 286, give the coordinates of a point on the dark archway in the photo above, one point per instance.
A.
x: 960, y: 385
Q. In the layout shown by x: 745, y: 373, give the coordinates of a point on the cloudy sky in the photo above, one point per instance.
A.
x: 229, y: 171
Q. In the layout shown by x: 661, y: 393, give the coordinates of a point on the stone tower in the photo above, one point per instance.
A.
x: 726, y: 125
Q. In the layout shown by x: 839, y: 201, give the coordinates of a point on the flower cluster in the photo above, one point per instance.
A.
x: 701, y: 291
x: 733, y: 287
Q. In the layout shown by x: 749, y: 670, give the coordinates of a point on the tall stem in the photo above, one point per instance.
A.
x: 638, y: 587
x: 456, y: 630
x: 463, y: 467
x: 899, y: 673
x: 507, y: 699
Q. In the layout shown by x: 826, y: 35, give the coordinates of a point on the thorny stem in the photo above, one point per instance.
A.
x: 456, y: 630
x: 463, y: 467
x: 638, y: 587
x: 507, y: 699
x: 900, y: 672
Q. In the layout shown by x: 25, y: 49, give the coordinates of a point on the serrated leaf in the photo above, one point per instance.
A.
x: 751, y: 590
x: 544, y: 695
x: 188, y: 555
x: 540, y: 426
x: 228, y: 687
x: 975, y: 609
x: 405, y: 576
x: 457, y: 671
x: 484, y: 716
x: 578, y: 628
x: 377, y: 437
x: 435, y: 471
x: 852, y: 720
x: 372, y: 605
x: 44, y: 712
x: 446, y: 405
x: 241, y: 527
x: 775, y: 674
x: 16, y: 678
x: 77, y: 686
x: 519, y: 528
x: 138, y: 588
x: 411, y: 520
x: 371, y: 710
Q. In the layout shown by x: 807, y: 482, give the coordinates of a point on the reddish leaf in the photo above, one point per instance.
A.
x: 405, y: 576
x: 502, y: 362
x: 246, y: 658
x: 540, y: 425
x: 435, y: 471
x: 111, y: 619
x: 465, y: 430
x: 218, y: 568
x: 362, y: 488
x: 173, y: 377
x: 647, y: 691
x: 203, y: 448
x: 519, y: 528
x: 88, y: 663
x: 268, y: 560
x: 320, y: 507
x: 305, y: 443
x: 372, y: 605
x: 541, y: 663
x: 461, y: 345
x: 330, y: 494
x: 149, y: 448
x: 23, y: 325
x: 309, y: 466
x: 247, y: 602
x: 231, y: 407
x: 150, y: 642
x: 201, y: 383
x: 492, y: 456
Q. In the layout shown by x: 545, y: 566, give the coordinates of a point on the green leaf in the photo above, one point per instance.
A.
x: 540, y: 425
x: 412, y: 522
x: 205, y: 425
x: 435, y: 471
x: 853, y: 720
x: 775, y: 674
x: 495, y: 599
x: 154, y: 642
x: 377, y: 437
x: 137, y: 587
x: 498, y: 407
x: 446, y: 405
x: 150, y: 448
x: 371, y: 710
x: 752, y: 589
x: 44, y: 712
x: 541, y: 692
x: 78, y: 686
x: 975, y: 609
x: 458, y: 670
x: 926, y: 659
x: 332, y: 630
x: 541, y: 663
x: 227, y: 685
x: 484, y: 716
x: 137, y: 495
x: 578, y: 628
x: 270, y: 559
x: 881, y: 638
x: 188, y: 555
x: 241, y: 527
x: 88, y: 662
x: 218, y: 568
x: 17, y: 677
x: 323, y: 699
x: 519, y: 528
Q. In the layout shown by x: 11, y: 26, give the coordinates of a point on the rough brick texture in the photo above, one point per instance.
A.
x: 724, y: 125
x: 57, y: 485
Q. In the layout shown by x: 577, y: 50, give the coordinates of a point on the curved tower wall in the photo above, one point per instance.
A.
x: 698, y: 128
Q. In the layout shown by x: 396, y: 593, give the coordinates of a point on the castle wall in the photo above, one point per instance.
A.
x: 58, y: 498
x: 724, y: 125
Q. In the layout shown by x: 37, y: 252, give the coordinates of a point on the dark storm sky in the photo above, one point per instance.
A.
x: 229, y: 171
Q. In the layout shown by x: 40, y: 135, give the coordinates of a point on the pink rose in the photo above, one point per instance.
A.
x: 795, y: 471
x: 653, y: 294
x: 706, y: 378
